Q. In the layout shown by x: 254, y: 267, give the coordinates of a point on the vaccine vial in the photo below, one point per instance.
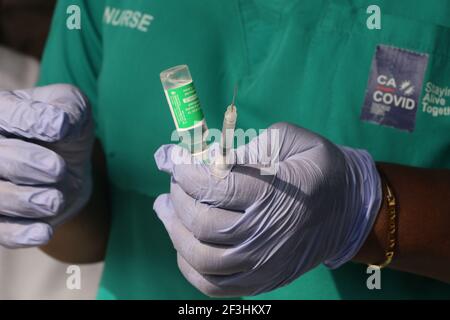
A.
x: 186, y: 110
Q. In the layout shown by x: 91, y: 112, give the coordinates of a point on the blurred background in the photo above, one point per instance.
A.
x: 24, y: 24
x: 30, y: 273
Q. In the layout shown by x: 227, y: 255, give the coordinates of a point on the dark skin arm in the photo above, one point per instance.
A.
x: 84, y: 238
x: 423, y: 223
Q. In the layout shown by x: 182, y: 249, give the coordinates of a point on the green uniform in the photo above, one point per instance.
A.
x: 306, y: 62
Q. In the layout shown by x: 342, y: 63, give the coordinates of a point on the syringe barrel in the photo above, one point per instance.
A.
x: 228, y: 127
x: 224, y: 161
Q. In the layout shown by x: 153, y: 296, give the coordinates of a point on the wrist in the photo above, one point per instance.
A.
x: 374, y: 248
x: 364, y: 199
x: 422, y: 245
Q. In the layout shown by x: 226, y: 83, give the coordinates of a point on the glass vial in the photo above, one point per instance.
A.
x: 185, y: 107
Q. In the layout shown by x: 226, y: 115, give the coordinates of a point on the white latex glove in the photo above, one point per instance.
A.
x: 46, y: 137
x: 251, y: 233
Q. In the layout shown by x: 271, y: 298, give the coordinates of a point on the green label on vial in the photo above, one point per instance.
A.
x: 185, y: 106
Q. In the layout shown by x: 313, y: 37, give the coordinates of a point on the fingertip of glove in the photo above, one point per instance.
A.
x: 49, y: 200
x: 185, y: 170
x: 53, y: 123
x: 52, y: 164
x: 59, y: 169
x: 40, y: 233
x: 161, y: 202
x: 34, y: 235
x: 65, y: 114
x: 163, y: 158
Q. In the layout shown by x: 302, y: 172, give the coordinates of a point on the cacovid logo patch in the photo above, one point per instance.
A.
x: 394, y: 88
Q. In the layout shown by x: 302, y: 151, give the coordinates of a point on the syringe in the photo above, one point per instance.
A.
x: 223, y: 162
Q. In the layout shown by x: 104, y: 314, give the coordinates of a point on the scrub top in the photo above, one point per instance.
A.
x: 313, y: 63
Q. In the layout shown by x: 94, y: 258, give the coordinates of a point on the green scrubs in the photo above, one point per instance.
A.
x: 306, y: 62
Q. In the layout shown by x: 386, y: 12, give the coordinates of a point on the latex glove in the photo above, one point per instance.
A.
x: 251, y: 233
x: 45, y: 147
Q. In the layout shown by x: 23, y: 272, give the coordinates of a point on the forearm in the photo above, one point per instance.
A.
x: 83, y: 239
x: 423, y: 223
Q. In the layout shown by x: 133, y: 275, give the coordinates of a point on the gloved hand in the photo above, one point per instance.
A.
x: 46, y: 137
x: 251, y: 233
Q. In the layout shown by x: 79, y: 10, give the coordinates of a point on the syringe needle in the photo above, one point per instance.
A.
x: 234, y: 95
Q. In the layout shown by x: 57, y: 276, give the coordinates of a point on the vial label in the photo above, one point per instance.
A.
x: 185, y: 106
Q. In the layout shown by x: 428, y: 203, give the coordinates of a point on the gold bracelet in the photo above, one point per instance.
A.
x: 392, y: 215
